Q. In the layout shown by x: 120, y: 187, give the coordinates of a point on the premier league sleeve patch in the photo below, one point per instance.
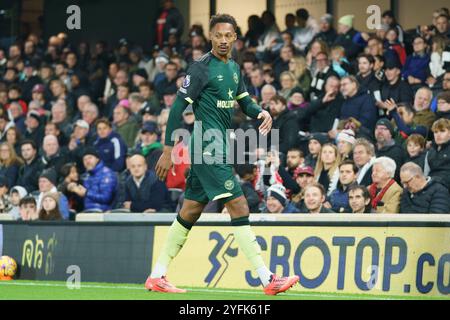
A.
x: 187, y: 81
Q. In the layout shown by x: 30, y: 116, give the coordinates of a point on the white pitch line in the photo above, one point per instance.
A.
x: 93, y: 286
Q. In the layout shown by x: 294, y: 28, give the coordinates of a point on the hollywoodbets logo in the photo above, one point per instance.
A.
x: 219, y: 257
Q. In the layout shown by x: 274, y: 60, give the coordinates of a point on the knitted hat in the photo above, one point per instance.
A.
x: 142, y: 73
x: 347, y: 135
x: 320, y: 137
x: 53, y: 195
x: 124, y: 103
x: 347, y: 20
x: 278, y: 192
x: 385, y: 122
x: 50, y: 175
x: 162, y: 57
x: 91, y: 151
x: 82, y: 124
x: 189, y: 110
x: 35, y: 114
x: 38, y: 88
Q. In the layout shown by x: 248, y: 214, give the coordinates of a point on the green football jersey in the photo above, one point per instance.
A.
x: 212, y: 87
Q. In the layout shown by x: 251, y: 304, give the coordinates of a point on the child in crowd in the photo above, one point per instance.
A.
x: 50, y: 209
x: 340, y: 63
x: 415, y: 146
x: 28, y: 209
x: 393, y: 44
x: 17, y: 193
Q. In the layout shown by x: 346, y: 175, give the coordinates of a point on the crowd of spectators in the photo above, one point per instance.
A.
x: 363, y: 118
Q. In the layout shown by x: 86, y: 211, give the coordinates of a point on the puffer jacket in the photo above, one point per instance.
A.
x: 434, y: 198
x: 439, y: 163
x: 101, y: 184
x: 339, y: 200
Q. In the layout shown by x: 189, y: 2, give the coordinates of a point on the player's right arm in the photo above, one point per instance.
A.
x: 193, y: 84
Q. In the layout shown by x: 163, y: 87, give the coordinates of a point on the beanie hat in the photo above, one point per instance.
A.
x: 385, y: 122
x: 91, y: 151
x: 162, y: 57
x: 347, y: 135
x: 125, y: 103
x: 38, y: 88
x: 82, y: 124
x: 142, y: 73
x: 347, y: 20
x: 320, y: 137
x: 50, y: 175
x: 53, y: 195
x: 278, y: 192
x: 35, y: 114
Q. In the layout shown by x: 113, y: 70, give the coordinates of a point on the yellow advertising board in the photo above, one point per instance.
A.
x: 358, y: 260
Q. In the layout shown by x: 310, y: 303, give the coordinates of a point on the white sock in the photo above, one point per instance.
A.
x: 264, y: 275
x: 158, y: 271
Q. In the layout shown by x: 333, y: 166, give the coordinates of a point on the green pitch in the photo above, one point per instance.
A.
x: 34, y: 290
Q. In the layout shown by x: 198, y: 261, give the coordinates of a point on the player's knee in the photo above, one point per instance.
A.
x: 238, y: 208
x: 189, y: 216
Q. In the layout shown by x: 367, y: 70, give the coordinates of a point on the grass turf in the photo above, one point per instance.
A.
x: 37, y: 290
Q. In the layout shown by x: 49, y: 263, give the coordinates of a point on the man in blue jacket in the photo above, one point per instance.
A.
x: 415, y: 70
x: 358, y: 103
x: 144, y: 192
x: 110, y: 145
x: 99, y: 187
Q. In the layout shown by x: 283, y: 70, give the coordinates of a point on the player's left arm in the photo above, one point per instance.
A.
x: 253, y: 110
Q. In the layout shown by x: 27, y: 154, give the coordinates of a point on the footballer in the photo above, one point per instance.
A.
x: 212, y: 85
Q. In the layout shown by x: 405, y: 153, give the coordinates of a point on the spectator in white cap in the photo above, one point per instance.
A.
x: 277, y: 202
x: 345, y: 141
x: 79, y: 140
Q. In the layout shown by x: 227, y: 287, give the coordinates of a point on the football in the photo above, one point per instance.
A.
x: 8, y: 268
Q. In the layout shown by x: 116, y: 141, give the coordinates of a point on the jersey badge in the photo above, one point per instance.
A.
x: 229, y: 185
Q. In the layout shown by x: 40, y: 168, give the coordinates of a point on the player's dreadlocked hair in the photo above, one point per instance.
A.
x: 222, y: 18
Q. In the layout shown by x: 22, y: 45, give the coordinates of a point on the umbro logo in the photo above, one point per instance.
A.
x: 220, y: 77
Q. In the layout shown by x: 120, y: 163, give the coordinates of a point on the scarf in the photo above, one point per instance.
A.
x: 376, y: 198
x: 147, y: 149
